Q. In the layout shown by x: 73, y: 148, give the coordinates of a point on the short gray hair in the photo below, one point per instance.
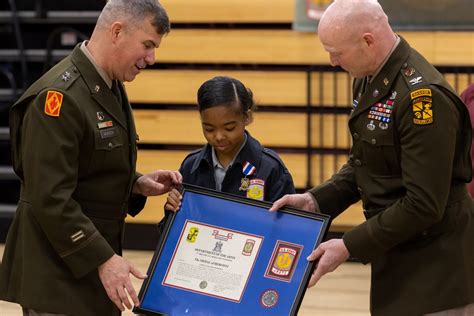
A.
x: 135, y: 12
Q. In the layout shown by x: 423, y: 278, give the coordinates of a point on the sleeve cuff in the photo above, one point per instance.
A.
x: 92, y: 253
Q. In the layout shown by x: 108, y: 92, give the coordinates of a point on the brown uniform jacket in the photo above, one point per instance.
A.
x: 409, y: 164
x: 77, y: 170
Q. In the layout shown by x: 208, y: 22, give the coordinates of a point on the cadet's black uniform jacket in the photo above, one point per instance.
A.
x: 270, y: 177
x: 74, y: 149
x: 409, y: 164
x: 197, y: 169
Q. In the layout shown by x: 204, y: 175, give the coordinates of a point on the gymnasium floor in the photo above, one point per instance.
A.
x: 344, y: 292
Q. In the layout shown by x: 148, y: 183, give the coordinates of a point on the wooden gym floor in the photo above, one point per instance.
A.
x: 344, y: 292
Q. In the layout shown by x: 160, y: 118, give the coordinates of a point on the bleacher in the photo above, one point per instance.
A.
x: 303, y: 101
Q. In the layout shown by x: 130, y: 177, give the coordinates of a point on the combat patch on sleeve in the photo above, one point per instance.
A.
x: 52, y: 105
x: 422, y: 103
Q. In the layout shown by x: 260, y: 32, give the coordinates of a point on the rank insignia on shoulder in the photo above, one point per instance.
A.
x: 422, y: 105
x: 256, y: 189
x: 52, y: 105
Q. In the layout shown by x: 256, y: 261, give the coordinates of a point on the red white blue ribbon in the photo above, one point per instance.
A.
x: 248, y: 169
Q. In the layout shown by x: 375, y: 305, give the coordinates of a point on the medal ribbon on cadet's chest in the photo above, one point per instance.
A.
x: 247, y: 169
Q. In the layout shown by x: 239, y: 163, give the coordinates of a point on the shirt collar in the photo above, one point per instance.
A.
x: 251, y: 152
x: 397, y: 41
x: 99, y: 69
x: 215, y: 160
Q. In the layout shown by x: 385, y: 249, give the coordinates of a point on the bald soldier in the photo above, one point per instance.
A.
x: 74, y: 148
x: 409, y: 165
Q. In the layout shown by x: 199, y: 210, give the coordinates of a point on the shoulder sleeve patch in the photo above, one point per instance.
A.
x: 422, y: 105
x: 52, y: 105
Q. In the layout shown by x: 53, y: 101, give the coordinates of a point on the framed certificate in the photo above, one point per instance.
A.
x: 222, y: 254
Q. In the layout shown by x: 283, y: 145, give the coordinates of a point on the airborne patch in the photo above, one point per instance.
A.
x: 422, y: 106
x: 52, y: 105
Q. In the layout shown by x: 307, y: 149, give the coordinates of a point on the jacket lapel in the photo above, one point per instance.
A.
x: 99, y: 90
x: 381, y: 85
x: 132, y: 134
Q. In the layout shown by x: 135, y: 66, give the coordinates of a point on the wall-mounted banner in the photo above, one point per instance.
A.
x: 423, y: 15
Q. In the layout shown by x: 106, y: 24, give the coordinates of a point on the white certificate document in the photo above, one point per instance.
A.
x: 213, y: 261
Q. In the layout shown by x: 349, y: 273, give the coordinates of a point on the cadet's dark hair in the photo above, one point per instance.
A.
x: 226, y: 91
x: 135, y: 12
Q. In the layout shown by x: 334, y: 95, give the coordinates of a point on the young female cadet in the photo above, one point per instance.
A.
x: 232, y: 160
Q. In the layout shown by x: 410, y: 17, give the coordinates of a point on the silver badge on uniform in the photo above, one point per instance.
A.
x: 100, y: 115
x: 66, y: 76
x: 371, y: 125
x: 96, y: 88
x: 383, y: 125
x: 375, y: 93
x: 416, y: 80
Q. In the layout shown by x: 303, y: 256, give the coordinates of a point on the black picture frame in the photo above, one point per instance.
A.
x: 224, y: 254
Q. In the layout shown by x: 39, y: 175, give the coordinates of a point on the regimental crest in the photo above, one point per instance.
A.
x: 422, y: 106
x: 52, y: 105
x: 284, y: 260
x: 244, y: 184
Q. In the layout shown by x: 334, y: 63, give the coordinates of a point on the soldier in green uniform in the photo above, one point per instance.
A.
x: 409, y: 165
x: 74, y: 149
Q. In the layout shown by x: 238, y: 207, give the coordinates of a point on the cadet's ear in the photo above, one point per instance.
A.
x: 248, y: 117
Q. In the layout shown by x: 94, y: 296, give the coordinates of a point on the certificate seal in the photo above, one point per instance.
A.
x: 203, y: 285
x: 269, y: 298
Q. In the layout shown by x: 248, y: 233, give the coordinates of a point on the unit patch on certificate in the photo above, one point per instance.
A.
x: 248, y: 247
x: 283, y: 263
x: 422, y: 106
x: 192, y: 234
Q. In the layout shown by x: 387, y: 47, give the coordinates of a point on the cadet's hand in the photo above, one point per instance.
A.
x: 331, y: 254
x: 157, y: 182
x: 114, y: 275
x: 303, y: 201
x: 173, y: 201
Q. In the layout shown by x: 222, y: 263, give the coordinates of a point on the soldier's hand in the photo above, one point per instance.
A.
x: 173, y: 201
x: 331, y: 254
x: 114, y: 275
x: 303, y: 201
x: 157, y: 182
